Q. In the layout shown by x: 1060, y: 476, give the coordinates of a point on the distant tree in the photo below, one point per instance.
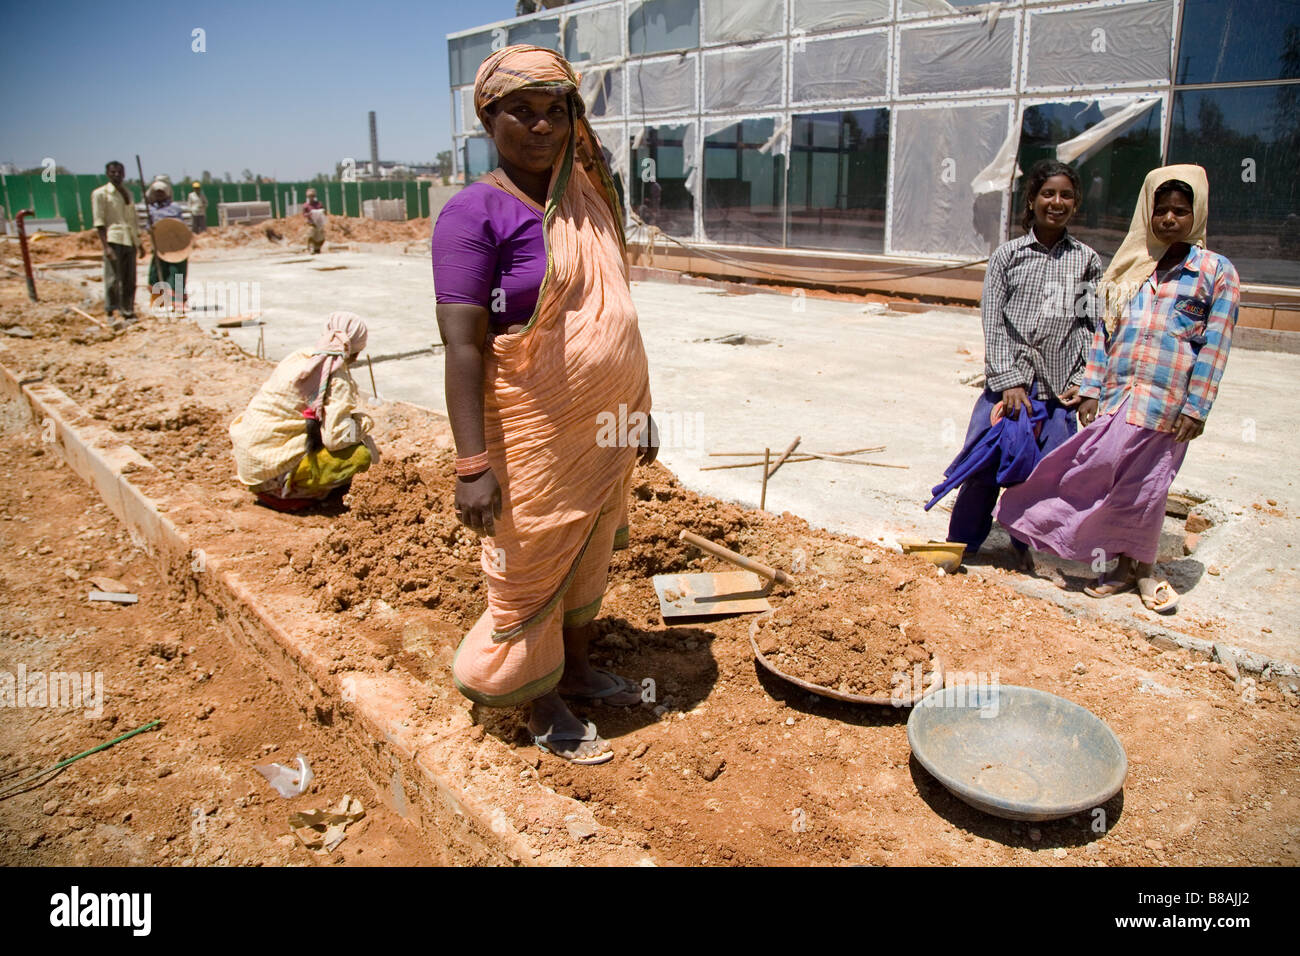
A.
x: 444, y: 164
x: 246, y: 175
x: 228, y: 178
x: 206, y: 177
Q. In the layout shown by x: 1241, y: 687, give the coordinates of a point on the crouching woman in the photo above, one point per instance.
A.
x: 301, y: 438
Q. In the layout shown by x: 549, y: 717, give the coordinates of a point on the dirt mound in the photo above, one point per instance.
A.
x: 869, y: 650
x: 293, y: 230
x: 47, y: 247
x: 399, y: 543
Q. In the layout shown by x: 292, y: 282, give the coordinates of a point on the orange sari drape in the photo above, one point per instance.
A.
x: 551, y: 394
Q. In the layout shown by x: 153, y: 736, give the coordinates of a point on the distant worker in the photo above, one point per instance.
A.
x: 113, y: 210
x: 301, y: 438
x: 198, y: 209
x: 167, y: 272
x: 314, y: 213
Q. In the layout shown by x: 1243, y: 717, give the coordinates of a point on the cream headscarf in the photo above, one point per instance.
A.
x: 344, y: 336
x: 1141, y: 250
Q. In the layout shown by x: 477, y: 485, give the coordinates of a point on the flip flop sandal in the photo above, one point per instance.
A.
x: 552, y: 744
x: 1153, y: 603
x: 1111, y: 588
x: 619, y: 686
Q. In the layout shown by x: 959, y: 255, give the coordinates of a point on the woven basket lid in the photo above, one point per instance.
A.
x: 173, y: 239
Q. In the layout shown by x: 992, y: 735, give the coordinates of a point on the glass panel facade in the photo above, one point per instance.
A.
x: 658, y: 26
x: 1227, y: 41
x: 743, y: 187
x: 839, y: 169
x: 1111, y: 178
x: 480, y: 157
x: 658, y: 174
x: 1247, y: 139
x: 537, y: 32
x: 945, y: 77
x: 465, y: 54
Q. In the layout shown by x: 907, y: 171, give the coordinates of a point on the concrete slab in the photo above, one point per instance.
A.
x: 844, y: 378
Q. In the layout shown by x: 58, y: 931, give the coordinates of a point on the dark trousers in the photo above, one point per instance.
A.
x: 972, y: 513
x: 119, y: 280
x: 171, y: 274
x: 198, y: 223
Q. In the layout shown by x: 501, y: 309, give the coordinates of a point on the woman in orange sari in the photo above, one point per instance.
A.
x: 543, y: 350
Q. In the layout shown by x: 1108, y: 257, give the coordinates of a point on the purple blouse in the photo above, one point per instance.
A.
x: 488, y: 250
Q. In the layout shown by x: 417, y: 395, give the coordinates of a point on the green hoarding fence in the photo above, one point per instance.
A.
x: 68, y: 196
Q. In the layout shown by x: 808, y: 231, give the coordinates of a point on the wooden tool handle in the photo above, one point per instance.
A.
x: 739, y: 560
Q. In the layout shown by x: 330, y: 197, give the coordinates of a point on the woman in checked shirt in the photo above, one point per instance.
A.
x: 1038, y: 321
x: 1152, y: 376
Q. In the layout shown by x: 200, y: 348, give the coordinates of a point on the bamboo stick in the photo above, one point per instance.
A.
x: 762, y: 498
x: 754, y: 454
x: 784, y: 455
x: 86, y: 315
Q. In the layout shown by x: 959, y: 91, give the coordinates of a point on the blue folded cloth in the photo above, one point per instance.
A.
x: 1010, y: 447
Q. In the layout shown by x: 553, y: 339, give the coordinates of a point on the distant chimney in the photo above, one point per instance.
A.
x: 374, y: 146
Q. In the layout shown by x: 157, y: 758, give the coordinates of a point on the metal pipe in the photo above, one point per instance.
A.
x: 27, y: 255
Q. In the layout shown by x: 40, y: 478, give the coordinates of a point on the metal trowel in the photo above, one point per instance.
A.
x: 721, y: 593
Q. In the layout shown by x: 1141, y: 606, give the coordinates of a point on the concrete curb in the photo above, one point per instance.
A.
x: 467, y: 793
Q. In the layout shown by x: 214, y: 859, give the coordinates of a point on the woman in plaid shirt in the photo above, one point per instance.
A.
x: 1037, y: 327
x: 1152, y: 376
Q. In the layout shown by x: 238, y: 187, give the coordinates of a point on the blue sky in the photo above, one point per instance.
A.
x: 283, y: 88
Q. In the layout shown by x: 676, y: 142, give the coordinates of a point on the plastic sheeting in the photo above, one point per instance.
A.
x: 593, y: 36
x: 937, y: 153
x: 465, y: 54
x: 537, y: 32
x: 657, y: 26
x: 602, y: 91
x: 1004, y: 169
x: 468, y: 116
x: 811, y: 16
x: 913, y: 7
x: 1103, y: 47
x: 1120, y: 112
x: 739, y: 21
x: 658, y: 86
x: 744, y: 79
x: 840, y: 68
x: 612, y: 138
x: 956, y: 57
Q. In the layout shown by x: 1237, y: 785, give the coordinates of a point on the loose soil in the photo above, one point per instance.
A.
x: 727, y: 764
x: 184, y: 794
x: 869, y: 653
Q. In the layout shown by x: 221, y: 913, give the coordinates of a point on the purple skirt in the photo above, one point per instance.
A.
x: 1103, y: 489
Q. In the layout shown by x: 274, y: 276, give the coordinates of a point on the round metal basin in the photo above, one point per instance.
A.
x: 1016, y: 752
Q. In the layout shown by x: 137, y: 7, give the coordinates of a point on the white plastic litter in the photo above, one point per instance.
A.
x: 287, y: 781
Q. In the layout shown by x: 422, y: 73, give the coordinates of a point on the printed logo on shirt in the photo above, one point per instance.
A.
x: 1194, y: 309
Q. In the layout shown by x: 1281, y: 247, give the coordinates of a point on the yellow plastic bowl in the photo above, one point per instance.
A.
x: 943, y: 554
